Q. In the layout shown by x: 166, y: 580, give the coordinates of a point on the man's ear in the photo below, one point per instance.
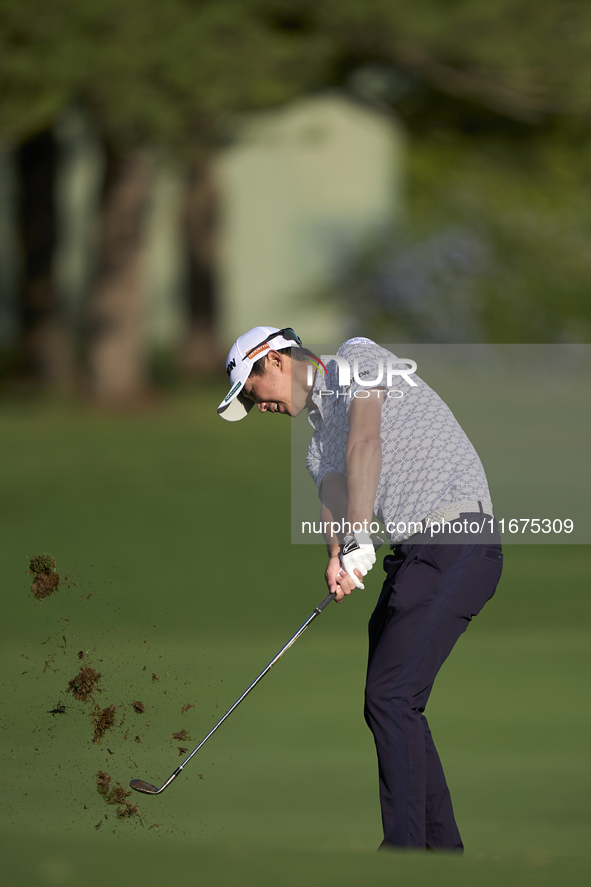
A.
x: 276, y: 359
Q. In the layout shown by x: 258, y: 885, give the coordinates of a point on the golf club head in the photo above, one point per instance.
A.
x: 139, y: 785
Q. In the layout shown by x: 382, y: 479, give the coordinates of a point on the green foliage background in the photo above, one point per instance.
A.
x: 496, y: 235
x: 494, y: 97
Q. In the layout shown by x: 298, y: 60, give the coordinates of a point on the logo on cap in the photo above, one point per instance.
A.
x: 234, y: 389
x: 231, y: 366
x: 263, y: 347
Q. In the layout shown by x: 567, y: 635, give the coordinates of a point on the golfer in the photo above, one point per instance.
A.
x: 386, y: 448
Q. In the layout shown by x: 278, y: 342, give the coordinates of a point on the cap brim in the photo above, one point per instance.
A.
x: 236, y: 409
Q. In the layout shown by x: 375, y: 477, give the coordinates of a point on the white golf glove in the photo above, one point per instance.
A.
x: 357, y: 553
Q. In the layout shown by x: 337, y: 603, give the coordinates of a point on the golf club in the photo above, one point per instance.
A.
x: 147, y: 788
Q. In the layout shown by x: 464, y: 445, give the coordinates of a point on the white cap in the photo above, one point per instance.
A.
x: 234, y: 405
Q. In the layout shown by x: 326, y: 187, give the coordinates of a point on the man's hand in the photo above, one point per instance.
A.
x: 357, y: 557
x: 337, y: 580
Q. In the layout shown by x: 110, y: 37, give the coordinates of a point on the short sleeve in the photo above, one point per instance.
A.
x: 366, y: 363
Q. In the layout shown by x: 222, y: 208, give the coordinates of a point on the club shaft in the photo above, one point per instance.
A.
x: 284, y: 649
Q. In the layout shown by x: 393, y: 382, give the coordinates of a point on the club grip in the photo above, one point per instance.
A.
x: 327, y: 600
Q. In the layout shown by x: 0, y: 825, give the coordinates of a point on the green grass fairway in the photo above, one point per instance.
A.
x: 173, y: 530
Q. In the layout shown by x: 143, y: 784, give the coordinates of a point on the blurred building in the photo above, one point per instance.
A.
x: 302, y: 188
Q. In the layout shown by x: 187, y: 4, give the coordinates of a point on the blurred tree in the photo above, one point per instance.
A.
x: 200, y: 349
x: 523, y: 59
x: 494, y: 247
x: 117, y: 358
x: 155, y: 77
x: 44, y: 348
x: 165, y: 70
x: 495, y: 94
x: 167, y: 76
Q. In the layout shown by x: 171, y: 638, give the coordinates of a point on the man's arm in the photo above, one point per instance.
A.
x: 352, y: 498
x: 363, y: 457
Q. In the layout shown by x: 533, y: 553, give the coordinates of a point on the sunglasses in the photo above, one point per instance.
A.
x: 287, y: 333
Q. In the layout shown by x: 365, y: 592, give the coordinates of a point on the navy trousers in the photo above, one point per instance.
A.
x: 431, y: 593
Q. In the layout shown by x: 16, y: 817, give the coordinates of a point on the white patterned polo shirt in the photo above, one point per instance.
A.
x: 429, y: 465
